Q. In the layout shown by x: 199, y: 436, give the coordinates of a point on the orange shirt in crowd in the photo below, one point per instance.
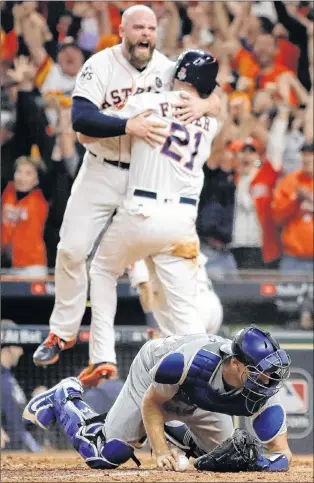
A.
x: 261, y: 190
x: 247, y: 66
x: 106, y: 41
x: 297, y: 224
x: 8, y: 45
x: 22, y: 227
x: 288, y: 55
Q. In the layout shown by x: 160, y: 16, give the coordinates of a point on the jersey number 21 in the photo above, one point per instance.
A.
x: 184, y: 140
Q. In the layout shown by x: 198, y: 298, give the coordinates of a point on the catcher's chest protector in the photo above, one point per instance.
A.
x: 197, y: 391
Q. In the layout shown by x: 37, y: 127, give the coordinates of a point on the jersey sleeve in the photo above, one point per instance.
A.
x: 167, y: 374
x: 92, y: 80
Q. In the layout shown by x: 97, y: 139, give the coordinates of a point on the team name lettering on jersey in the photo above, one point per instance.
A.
x: 118, y: 97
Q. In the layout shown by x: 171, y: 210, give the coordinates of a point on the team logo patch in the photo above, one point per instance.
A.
x: 158, y: 82
x: 294, y: 396
x: 86, y: 73
x: 182, y: 74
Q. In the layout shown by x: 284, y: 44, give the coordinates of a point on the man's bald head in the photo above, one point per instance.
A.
x: 138, y: 31
x: 130, y: 13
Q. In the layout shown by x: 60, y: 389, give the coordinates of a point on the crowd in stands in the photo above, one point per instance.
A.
x: 256, y: 208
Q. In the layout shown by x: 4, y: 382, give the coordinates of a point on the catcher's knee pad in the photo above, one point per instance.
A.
x: 116, y: 452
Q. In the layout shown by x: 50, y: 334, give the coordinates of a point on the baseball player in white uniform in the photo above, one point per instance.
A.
x: 157, y: 218
x: 106, y: 79
x: 152, y: 297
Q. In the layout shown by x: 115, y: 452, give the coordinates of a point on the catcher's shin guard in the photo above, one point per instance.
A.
x: 84, y: 429
x: 40, y: 409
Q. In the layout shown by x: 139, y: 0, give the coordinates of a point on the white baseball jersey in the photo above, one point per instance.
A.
x: 176, y: 167
x: 107, y: 79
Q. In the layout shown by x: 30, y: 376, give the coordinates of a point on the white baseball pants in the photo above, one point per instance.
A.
x: 97, y: 191
x: 132, y: 236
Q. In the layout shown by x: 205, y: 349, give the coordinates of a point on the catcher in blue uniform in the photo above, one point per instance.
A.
x: 199, y: 380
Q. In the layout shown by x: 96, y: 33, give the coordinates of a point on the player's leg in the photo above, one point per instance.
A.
x: 208, y: 429
x: 109, y: 262
x: 83, y: 427
x: 90, y: 206
x: 179, y: 281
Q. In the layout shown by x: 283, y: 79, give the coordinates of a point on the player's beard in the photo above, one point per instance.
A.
x: 139, y: 58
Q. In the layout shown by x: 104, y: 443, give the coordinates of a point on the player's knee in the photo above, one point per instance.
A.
x: 116, y: 452
x: 74, y: 255
x: 98, y: 268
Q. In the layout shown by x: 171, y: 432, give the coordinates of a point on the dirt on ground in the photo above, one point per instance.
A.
x: 65, y: 466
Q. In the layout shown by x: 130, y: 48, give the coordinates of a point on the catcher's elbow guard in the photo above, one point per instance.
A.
x: 273, y: 463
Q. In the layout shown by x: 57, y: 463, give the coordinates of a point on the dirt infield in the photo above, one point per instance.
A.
x: 69, y: 467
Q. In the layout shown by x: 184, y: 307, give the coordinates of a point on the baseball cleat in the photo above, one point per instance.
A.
x: 48, y: 352
x: 39, y: 410
x: 94, y: 374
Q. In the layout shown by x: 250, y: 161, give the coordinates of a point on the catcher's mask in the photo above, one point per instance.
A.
x: 261, y: 355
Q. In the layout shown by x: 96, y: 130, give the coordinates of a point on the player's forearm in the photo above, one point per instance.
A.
x: 212, y: 105
x: 87, y: 120
x: 154, y: 422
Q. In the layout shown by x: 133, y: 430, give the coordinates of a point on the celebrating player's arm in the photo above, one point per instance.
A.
x: 153, y: 419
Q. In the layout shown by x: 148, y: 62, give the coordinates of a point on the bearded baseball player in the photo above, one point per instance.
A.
x: 156, y: 220
x: 107, y: 79
x: 202, y: 381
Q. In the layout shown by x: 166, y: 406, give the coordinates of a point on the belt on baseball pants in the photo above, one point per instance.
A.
x: 117, y: 164
x: 153, y: 196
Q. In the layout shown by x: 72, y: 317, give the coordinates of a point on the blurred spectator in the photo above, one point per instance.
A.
x: 102, y: 397
x: 55, y: 80
x: 13, y: 399
x: 298, y: 35
x: 24, y: 213
x: 247, y: 236
x: 216, y: 212
x: 293, y: 212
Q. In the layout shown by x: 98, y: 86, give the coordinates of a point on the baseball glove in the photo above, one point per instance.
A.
x: 237, y: 453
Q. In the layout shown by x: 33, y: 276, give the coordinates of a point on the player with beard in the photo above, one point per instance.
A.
x: 106, y: 79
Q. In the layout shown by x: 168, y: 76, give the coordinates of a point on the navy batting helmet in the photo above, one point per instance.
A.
x: 199, y: 69
x: 261, y: 354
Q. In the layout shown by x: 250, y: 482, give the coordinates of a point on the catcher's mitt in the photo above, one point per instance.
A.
x: 237, y: 453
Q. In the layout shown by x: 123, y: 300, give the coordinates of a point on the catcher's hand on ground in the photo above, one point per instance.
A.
x: 237, y: 453
x: 168, y: 461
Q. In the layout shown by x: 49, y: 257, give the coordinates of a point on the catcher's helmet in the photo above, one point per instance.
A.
x: 199, y: 69
x: 261, y: 354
